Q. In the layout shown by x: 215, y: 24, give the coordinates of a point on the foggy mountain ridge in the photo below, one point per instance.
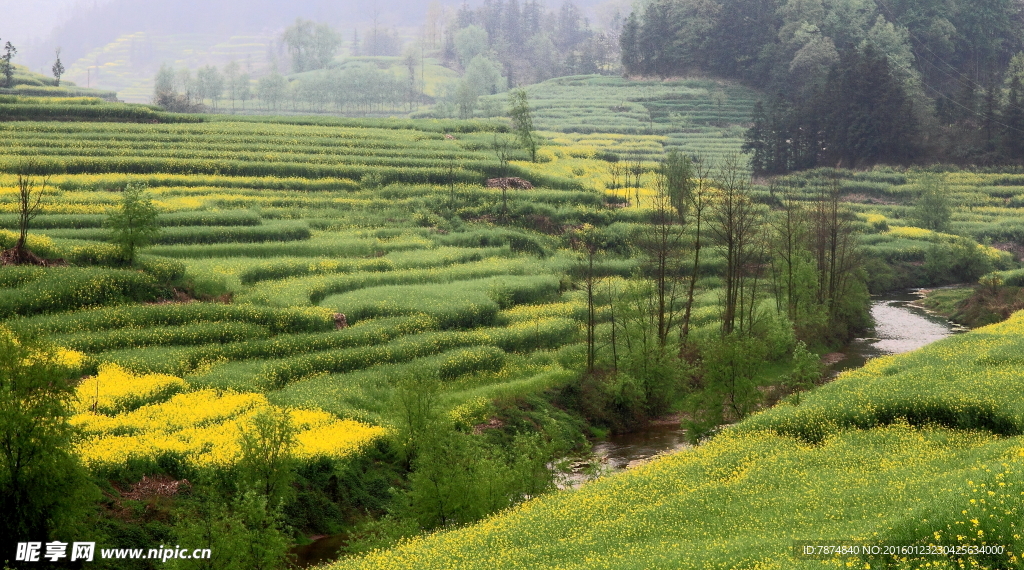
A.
x: 91, y: 25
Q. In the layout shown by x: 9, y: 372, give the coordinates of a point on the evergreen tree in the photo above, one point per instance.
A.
x: 629, y: 46
x: 1013, y: 122
x: 870, y: 118
x: 755, y: 140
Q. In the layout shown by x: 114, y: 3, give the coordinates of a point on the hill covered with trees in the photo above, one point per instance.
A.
x: 852, y: 82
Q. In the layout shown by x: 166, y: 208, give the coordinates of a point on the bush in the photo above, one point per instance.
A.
x: 190, y: 235
x: 469, y: 360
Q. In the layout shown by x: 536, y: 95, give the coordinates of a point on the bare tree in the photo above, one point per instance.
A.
x: 31, y: 192
x: 700, y: 198
x: 735, y: 226
x: 587, y: 241
x: 661, y: 240
x: 835, y: 248
x: 502, y: 147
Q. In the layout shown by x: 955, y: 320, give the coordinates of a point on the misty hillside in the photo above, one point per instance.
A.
x: 119, y: 45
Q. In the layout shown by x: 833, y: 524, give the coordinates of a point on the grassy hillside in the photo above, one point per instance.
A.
x: 30, y: 84
x: 914, y: 450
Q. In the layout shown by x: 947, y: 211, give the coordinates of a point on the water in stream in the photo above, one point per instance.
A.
x: 900, y: 327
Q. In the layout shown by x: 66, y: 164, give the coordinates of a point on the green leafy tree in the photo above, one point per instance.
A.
x: 311, y: 45
x: 470, y: 42
x: 271, y: 89
x: 933, y: 208
x: 245, y: 531
x: 133, y: 224
x: 58, y: 69
x: 807, y: 369
x: 268, y: 465
x: 44, y: 490
x: 522, y: 121
x: 729, y: 382
x: 209, y: 84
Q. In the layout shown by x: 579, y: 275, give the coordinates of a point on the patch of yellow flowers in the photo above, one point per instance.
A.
x: 201, y: 427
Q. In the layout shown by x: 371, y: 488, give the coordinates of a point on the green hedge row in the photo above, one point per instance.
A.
x: 181, y: 361
x: 460, y: 304
x: 273, y: 374
x: 171, y: 219
x: 274, y: 231
x: 69, y: 288
x: 440, y: 257
x: 277, y: 320
x: 155, y: 165
x: 182, y: 335
x: 118, y: 112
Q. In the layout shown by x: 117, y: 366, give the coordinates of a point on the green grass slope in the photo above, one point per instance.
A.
x: 919, y: 450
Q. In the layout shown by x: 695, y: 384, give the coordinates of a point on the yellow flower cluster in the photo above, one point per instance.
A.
x: 114, y: 389
x: 910, y: 232
x: 575, y: 308
x: 203, y: 427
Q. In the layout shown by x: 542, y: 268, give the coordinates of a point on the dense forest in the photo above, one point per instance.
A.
x: 851, y: 82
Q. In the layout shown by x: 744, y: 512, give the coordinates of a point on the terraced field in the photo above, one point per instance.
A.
x: 280, y: 227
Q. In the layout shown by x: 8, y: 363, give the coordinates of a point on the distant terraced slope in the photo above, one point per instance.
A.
x: 703, y: 116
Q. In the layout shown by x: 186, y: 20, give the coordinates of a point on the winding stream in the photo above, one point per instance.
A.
x: 899, y: 327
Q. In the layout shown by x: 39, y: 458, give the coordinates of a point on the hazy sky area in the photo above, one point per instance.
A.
x: 21, y: 21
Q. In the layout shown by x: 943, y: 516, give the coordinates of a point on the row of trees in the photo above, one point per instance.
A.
x: 788, y: 274
x: 530, y: 43
x: 772, y: 42
x: 861, y: 115
x: 359, y: 88
x: 184, y: 92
